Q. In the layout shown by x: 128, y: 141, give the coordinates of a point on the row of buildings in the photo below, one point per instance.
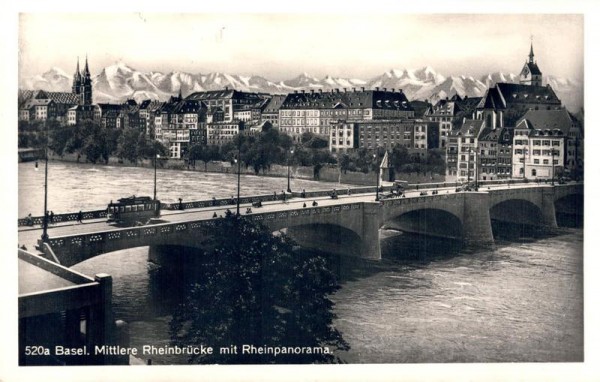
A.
x: 491, y: 137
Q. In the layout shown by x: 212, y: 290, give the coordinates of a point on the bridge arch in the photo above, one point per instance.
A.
x: 428, y: 221
x: 517, y: 211
x: 326, y: 237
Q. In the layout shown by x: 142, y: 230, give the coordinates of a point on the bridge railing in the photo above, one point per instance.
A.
x: 206, y: 225
x: 59, y: 218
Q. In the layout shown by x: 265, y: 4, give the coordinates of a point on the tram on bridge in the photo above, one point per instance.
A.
x: 133, y: 210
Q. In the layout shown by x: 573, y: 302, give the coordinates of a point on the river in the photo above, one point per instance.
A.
x: 427, y: 300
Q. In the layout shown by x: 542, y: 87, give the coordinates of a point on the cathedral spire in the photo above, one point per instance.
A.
x: 86, y: 70
x: 77, y: 72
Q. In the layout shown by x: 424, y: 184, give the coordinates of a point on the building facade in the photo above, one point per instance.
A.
x: 317, y: 112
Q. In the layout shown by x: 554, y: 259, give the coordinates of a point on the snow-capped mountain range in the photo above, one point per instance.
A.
x: 119, y: 82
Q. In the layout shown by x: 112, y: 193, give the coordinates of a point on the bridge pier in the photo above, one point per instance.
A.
x: 548, y: 210
x: 370, y: 247
x: 477, y: 227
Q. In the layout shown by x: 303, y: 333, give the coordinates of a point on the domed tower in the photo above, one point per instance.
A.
x: 77, y: 89
x: 531, y: 74
x: 86, y: 85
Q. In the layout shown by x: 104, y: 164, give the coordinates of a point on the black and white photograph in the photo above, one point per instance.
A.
x: 368, y: 189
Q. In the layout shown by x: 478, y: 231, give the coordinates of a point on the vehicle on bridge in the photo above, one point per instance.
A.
x: 133, y: 210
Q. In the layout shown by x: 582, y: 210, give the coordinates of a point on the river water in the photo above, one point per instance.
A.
x: 427, y: 300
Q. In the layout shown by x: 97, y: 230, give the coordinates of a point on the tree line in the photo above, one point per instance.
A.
x: 96, y: 144
x: 89, y: 140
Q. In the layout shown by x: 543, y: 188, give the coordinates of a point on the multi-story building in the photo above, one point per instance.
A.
x: 270, y: 111
x: 316, y: 112
x: 409, y: 133
x: 504, y: 159
x: 546, y: 142
x: 37, y: 109
x: 174, y: 120
x: 219, y: 133
x: 466, y: 150
x: 537, y: 153
x: 449, y: 113
x: 61, y: 103
x: 229, y: 101
x: 146, y: 114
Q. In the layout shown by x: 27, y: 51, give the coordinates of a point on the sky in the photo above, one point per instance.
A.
x: 280, y: 46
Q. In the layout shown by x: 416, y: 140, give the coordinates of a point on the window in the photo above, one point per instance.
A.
x: 536, y: 161
x: 533, y: 172
x: 546, y: 161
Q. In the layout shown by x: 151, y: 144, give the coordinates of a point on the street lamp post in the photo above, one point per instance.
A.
x: 469, y: 167
x: 553, y: 166
x: 475, y: 170
x: 239, y: 162
x: 45, y: 219
x: 156, y: 157
x: 377, y: 172
x: 289, y: 189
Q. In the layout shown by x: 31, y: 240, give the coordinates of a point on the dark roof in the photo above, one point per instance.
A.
x: 355, y: 99
x: 273, y: 105
x: 188, y: 106
x: 549, y: 120
x: 59, y: 97
x: 420, y: 108
x: 533, y: 68
x: 36, y: 102
x: 471, y: 127
x: 504, y: 95
x: 489, y: 134
x: 223, y: 94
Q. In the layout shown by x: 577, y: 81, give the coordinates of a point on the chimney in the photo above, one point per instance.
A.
x: 393, y: 90
x: 302, y: 91
x: 354, y: 90
x: 226, y: 88
x: 344, y: 90
x: 376, y: 88
x: 321, y: 91
x: 312, y: 91
x: 385, y: 89
x: 337, y: 90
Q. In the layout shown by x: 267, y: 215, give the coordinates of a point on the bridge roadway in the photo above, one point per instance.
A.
x: 29, y: 236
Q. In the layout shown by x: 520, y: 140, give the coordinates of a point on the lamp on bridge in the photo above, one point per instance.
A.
x: 45, y: 218
x: 155, y: 160
x: 289, y: 189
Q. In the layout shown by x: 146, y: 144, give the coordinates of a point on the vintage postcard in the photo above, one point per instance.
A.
x: 371, y: 189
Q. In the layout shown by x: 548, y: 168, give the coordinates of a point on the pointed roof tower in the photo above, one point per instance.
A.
x: 86, y: 71
x: 531, y: 54
x: 77, y: 74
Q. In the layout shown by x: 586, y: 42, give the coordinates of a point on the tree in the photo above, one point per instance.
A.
x: 257, y: 290
x: 127, y: 147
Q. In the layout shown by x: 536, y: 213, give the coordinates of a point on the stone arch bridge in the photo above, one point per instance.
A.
x: 350, y: 227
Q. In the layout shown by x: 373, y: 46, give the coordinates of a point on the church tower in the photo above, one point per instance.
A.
x: 86, y: 85
x: 76, y: 89
x: 531, y: 74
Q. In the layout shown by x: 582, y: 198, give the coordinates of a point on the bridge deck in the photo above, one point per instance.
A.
x: 28, y: 236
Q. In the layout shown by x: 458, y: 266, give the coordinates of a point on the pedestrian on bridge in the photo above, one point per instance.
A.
x: 80, y: 217
x: 51, y: 217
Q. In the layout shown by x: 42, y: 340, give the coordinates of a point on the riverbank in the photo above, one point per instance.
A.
x: 328, y: 173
